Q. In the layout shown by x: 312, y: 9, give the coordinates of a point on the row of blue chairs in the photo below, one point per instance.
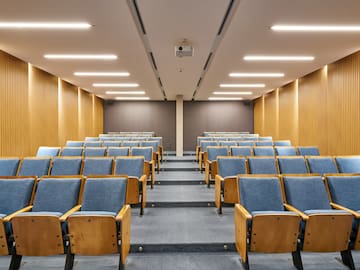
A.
x: 64, y: 215
x: 152, y: 143
x: 227, y: 133
x: 290, y: 214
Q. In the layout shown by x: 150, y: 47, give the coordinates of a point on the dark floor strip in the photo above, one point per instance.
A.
x: 201, y: 247
x: 179, y: 204
x: 179, y: 182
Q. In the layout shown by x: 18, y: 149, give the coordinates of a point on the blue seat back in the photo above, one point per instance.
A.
x: 118, y: 151
x: 45, y: 151
x: 97, y: 166
x: 153, y: 144
x: 282, y: 143
x: 292, y: 165
x: 344, y: 190
x: 266, y: 138
x: 246, y: 143
x: 262, y: 165
x: 112, y: 143
x: 95, y: 151
x: 146, y: 152
x: 264, y: 143
x: 242, y: 151
x: 15, y: 194
x: 93, y: 143
x: 74, y: 143
x: 308, y: 151
x: 104, y: 194
x: 130, y: 166
x: 231, y: 166
x: 306, y: 192
x: 92, y: 139
x: 285, y: 150
x: 66, y: 166
x: 214, y: 152
x: 350, y: 164
x: 56, y: 194
x: 131, y: 143
x: 260, y: 194
x: 71, y: 152
x: 35, y: 166
x: 9, y: 166
x: 228, y: 143
x: 321, y: 165
x: 264, y: 151
x: 205, y: 144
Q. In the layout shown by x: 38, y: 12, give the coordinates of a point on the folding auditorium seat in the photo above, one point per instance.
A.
x: 36, y: 166
x: 348, y: 164
x: 203, y: 153
x: 308, y: 151
x: 95, y: 151
x: 264, y: 143
x: 97, y: 166
x: 118, y: 151
x: 130, y: 144
x: 156, y: 153
x: 46, y: 151
x: 88, y: 139
x: 15, y: 197
x: 74, y: 143
x: 227, y: 143
x: 285, y: 151
x: 66, y: 166
x: 242, y: 151
x: 264, y: 151
x: 266, y: 138
x: 160, y: 146
x: 93, y: 144
x: 225, y: 180
x: 323, y: 229
x: 262, y: 165
x: 149, y: 162
x: 42, y: 231
x: 282, y: 143
x: 133, y: 167
x: 246, y: 143
x: 321, y: 164
x: 68, y: 151
x: 112, y: 144
x: 344, y: 195
x: 211, y: 163
x: 101, y: 226
x: 261, y: 222
x: 9, y: 166
x: 292, y: 165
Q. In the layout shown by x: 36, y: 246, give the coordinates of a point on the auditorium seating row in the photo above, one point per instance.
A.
x: 129, y: 133
x: 227, y: 133
x: 64, y: 215
x: 122, y: 138
x: 294, y: 213
x: 212, y: 152
x: 227, y: 168
x: 138, y: 170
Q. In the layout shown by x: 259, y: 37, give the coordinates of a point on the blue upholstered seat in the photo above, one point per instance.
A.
x: 246, y: 143
x: 264, y: 151
x: 231, y: 166
x: 282, y: 143
x: 242, y: 151
x: 214, y: 152
x: 130, y: 143
x: 130, y: 166
x: 348, y: 164
x: 265, y: 138
x: 146, y: 152
x: 94, y: 151
x: 112, y: 143
x: 72, y: 151
x: 74, y: 143
x: 262, y: 165
x: 93, y: 144
x: 308, y: 151
x: 285, y: 150
x: 118, y: 151
x: 205, y: 144
x: 153, y: 144
x: 97, y: 166
x: 227, y: 143
x: 88, y: 139
x: 66, y: 166
x: 292, y: 165
x: 321, y: 164
x: 9, y: 166
x: 45, y: 151
x: 264, y: 143
x: 35, y: 166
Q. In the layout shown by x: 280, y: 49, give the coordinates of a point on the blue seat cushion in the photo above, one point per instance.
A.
x: 94, y: 213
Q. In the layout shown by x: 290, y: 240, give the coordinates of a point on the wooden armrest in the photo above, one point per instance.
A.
x: 340, y: 207
x: 208, y: 162
x: 143, y: 178
x: 71, y: 211
x: 219, y: 178
x: 25, y: 209
x: 120, y: 216
x: 293, y: 209
x: 242, y: 211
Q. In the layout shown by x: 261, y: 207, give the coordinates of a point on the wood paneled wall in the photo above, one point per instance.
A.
x: 37, y: 108
x: 321, y: 108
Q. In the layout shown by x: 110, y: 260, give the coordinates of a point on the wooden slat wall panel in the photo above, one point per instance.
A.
x: 98, y: 116
x: 259, y: 116
x: 14, y: 108
x: 288, y: 113
x: 68, y: 112
x: 344, y: 106
x: 312, y: 110
x: 85, y: 114
x: 271, y: 115
x: 43, y: 105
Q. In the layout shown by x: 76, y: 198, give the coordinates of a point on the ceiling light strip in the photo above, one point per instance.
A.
x: 232, y: 93
x: 45, y: 25
x: 132, y: 98
x: 316, y: 28
x: 242, y: 85
x: 125, y: 92
x: 102, y: 74
x: 82, y: 56
x: 225, y: 98
x: 256, y: 75
x: 277, y: 58
x: 115, y: 85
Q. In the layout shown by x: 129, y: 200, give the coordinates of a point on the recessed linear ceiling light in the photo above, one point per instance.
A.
x: 115, y: 84
x: 232, y: 93
x: 102, y: 74
x: 44, y: 25
x: 241, y: 85
x: 316, y: 28
x: 125, y: 92
x: 82, y: 56
x: 225, y: 98
x: 132, y: 98
x: 248, y: 75
x: 278, y: 58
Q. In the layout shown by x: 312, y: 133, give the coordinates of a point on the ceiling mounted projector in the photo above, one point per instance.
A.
x: 184, y: 49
